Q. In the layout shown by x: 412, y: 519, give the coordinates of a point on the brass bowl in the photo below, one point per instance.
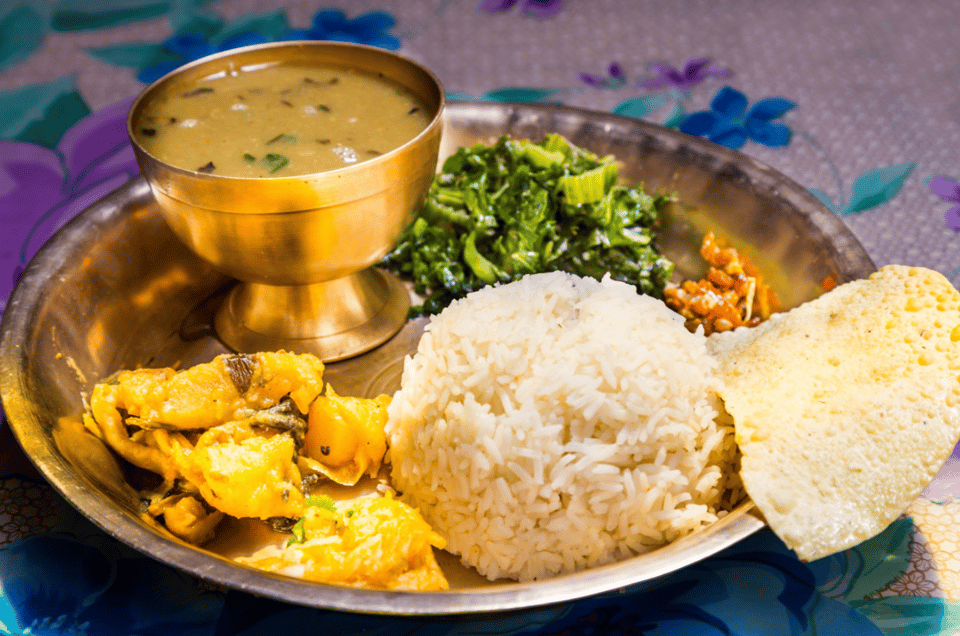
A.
x: 303, y: 246
x: 84, y: 309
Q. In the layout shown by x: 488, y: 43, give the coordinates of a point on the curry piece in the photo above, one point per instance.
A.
x: 186, y: 515
x: 233, y: 436
x: 369, y: 542
x: 223, y: 435
x: 229, y: 388
x: 345, y: 439
x: 247, y: 436
x: 731, y: 295
x: 244, y: 471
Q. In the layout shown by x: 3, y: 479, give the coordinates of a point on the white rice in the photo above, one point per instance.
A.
x: 559, y: 423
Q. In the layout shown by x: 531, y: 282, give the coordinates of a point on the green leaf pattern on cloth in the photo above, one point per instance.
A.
x: 869, y: 190
x: 41, y: 113
x: 131, y: 54
x: 25, y: 24
x: 912, y: 615
x: 82, y: 15
x: 876, y: 187
x: 510, y: 94
x: 22, y: 31
x: 885, y: 559
x: 863, y: 571
x: 642, y: 105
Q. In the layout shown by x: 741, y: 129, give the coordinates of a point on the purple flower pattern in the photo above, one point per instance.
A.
x: 534, y: 8
x: 948, y: 190
x: 41, y: 189
x: 669, y: 90
x: 693, y: 72
x: 614, y: 79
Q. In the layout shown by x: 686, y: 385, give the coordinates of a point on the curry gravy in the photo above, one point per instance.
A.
x: 242, y: 538
x: 280, y: 121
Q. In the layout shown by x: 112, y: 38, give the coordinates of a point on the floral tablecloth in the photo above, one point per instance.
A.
x: 857, y: 101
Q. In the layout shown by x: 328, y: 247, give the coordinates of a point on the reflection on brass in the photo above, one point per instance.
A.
x: 120, y: 290
x: 91, y: 456
x: 371, y: 306
x: 303, y: 245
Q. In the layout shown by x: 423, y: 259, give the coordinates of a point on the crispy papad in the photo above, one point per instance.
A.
x: 846, y: 407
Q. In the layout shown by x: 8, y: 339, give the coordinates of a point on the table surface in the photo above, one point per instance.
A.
x: 858, y: 102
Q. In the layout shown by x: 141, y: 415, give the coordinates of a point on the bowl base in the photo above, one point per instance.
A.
x: 333, y: 320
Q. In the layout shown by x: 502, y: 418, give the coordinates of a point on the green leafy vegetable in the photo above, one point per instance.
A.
x: 496, y: 213
x: 299, y: 528
x: 282, y: 138
x: 275, y: 161
x: 248, y: 157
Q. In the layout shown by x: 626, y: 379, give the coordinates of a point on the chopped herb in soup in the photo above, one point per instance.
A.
x: 280, y: 121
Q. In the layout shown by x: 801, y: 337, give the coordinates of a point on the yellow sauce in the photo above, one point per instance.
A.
x: 230, y: 442
x: 280, y: 121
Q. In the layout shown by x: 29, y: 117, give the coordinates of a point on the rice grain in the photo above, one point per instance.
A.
x: 559, y: 423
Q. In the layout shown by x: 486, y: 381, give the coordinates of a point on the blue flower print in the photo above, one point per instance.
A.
x: 730, y: 124
x: 332, y: 24
x: 187, y: 47
x: 59, y: 584
x: 200, y: 38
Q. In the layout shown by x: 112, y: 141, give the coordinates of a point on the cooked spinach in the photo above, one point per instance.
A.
x: 496, y: 213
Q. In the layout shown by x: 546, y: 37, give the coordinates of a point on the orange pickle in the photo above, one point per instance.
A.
x: 731, y: 294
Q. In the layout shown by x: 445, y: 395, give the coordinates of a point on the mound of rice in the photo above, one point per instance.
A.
x: 559, y: 423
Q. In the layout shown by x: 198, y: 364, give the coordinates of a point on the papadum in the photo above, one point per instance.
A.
x: 846, y: 407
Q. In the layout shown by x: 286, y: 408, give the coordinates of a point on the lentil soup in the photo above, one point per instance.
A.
x: 280, y: 120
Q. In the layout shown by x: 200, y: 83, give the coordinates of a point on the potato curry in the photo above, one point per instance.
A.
x: 249, y: 436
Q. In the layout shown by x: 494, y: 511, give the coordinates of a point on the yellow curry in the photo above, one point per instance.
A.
x: 249, y: 436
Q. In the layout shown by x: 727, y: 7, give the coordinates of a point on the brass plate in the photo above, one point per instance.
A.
x: 115, y: 289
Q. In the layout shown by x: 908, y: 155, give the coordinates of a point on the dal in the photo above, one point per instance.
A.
x: 280, y: 121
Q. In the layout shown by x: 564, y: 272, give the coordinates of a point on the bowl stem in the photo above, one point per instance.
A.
x: 334, y: 320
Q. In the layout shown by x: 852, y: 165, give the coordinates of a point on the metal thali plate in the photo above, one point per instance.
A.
x: 114, y: 289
